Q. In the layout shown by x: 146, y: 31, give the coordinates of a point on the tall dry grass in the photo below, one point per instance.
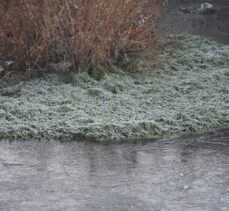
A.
x: 34, y: 33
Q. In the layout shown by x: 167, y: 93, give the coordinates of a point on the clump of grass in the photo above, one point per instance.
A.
x: 89, y: 32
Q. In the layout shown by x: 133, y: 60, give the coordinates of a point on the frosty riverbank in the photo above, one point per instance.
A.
x: 186, y: 91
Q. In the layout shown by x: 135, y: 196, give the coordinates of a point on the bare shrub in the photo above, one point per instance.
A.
x: 34, y: 33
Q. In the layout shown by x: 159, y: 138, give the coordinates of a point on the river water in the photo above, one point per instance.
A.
x: 189, y: 173
x: 184, y: 174
x: 215, y: 25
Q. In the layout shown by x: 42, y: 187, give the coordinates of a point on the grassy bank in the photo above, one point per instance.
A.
x: 186, y: 91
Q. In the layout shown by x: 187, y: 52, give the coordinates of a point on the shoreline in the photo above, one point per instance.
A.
x: 186, y: 92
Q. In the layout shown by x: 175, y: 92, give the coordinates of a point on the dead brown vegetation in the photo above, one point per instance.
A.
x: 34, y: 33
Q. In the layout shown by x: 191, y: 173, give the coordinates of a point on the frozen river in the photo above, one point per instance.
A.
x: 189, y: 173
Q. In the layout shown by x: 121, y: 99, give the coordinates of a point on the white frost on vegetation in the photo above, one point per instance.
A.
x: 187, y: 91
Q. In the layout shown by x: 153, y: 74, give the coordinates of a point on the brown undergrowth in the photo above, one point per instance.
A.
x: 35, y: 33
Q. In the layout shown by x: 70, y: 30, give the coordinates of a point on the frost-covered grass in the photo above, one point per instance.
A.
x: 187, y: 91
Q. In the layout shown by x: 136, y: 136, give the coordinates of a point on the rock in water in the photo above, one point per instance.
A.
x: 188, y: 10
x: 206, y: 8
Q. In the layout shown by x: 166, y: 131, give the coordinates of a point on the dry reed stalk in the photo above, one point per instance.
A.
x: 34, y: 33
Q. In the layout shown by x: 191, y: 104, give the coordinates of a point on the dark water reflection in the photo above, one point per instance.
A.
x: 180, y: 174
x: 214, y: 25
